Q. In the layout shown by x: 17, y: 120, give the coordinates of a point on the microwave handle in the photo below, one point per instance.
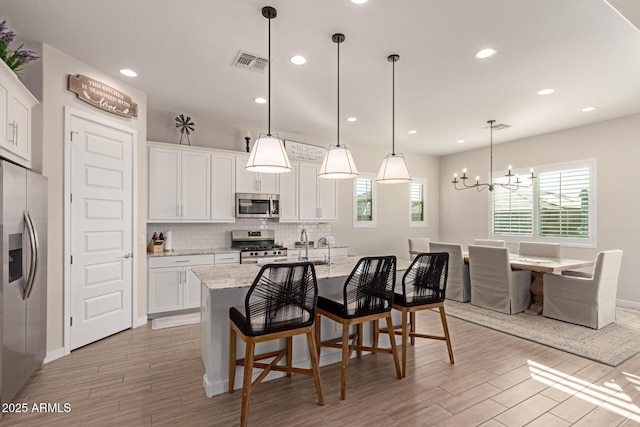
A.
x: 270, y: 207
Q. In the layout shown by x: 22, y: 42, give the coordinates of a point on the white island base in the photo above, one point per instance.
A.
x: 226, y: 286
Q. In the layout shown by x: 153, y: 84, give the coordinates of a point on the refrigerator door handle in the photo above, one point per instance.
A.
x: 33, y: 241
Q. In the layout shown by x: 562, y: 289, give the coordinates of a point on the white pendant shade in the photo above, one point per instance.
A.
x: 338, y: 164
x: 268, y: 156
x: 393, y: 170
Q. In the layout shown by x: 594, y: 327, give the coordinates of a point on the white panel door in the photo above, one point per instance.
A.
x: 101, y: 231
x: 196, y: 185
x: 164, y: 183
x: 308, y: 191
x: 223, y: 185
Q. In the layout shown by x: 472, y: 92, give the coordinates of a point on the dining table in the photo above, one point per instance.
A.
x: 538, y: 266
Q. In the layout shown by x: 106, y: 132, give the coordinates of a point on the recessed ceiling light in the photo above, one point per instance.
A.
x: 545, y: 91
x: 411, y: 132
x: 129, y: 73
x: 460, y: 141
x: 298, y: 59
x: 486, y: 53
x: 351, y: 119
x: 260, y: 100
x: 587, y: 109
x: 359, y: 1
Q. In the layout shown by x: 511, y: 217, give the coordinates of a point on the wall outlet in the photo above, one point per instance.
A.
x: 142, y: 240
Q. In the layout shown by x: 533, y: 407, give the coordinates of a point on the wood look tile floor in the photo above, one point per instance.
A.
x: 143, y: 377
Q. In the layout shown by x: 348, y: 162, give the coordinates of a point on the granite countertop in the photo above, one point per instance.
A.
x: 187, y: 252
x: 293, y: 247
x: 242, y: 275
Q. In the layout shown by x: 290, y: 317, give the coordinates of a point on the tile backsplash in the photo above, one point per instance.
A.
x: 216, y: 236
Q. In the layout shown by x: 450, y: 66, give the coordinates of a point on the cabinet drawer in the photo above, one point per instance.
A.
x: 180, y: 261
x: 233, y: 258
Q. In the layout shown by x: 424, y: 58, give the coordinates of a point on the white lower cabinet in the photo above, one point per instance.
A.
x: 172, y: 284
x: 317, y: 254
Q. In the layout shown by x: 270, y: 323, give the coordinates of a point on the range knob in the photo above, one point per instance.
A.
x: 279, y: 252
x: 266, y: 253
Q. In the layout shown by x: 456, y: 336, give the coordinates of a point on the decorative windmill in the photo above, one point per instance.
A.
x: 186, y: 126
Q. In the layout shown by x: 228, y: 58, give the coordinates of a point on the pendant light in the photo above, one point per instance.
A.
x: 338, y: 162
x: 268, y: 154
x: 393, y: 169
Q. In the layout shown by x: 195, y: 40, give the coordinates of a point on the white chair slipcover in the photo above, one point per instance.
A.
x: 418, y: 244
x: 458, y: 287
x: 489, y: 242
x: 494, y: 285
x: 546, y: 250
x: 586, y: 301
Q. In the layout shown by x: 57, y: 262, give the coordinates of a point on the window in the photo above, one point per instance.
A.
x: 559, y: 206
x: 364, y: 208
x: 417, y: 203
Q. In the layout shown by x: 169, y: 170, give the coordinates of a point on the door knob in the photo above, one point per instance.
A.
x: 128, y: 255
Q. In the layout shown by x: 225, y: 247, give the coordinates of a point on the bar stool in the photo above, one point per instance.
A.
x: 367, y: 296
x: 281, y: 303
x: 423, y: 287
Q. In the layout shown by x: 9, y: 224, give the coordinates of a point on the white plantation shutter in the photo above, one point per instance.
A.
x: 512, y: 210
x: 558, y: 207
x: 563, y: 203
x: 364, y: 203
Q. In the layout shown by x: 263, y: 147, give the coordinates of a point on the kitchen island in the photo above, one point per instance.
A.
x: 227, y: 285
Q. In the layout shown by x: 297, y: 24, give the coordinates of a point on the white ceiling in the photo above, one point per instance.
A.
x: 183, y: 50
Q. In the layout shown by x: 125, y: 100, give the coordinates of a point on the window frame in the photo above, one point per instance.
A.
x: 591, y: 241
x: 374, y: 204
x: 423, y: 223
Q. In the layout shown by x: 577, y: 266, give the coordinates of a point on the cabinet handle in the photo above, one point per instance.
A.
x: 17, y: 129
x: 182, y: 260
x: 178, y: 210
x: 182, y: 210
x: 12, y: 141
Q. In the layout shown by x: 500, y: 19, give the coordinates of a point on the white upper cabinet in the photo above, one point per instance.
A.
x: 289, y: 195
x: 196, y: 186
x: 253, y: 182
x: 223, y: 184
x: 309, y: 191
x: 16, y: 103
x: 191, y: 184
x: 179, y: 184
x: 317, y: 199
x: 165, y: 188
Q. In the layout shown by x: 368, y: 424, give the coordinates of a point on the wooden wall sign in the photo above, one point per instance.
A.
x: 102, y: 96
x: 301, y: 151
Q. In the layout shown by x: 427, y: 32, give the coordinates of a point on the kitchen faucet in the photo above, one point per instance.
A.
x: 305, y: 239
x: 327, y: 259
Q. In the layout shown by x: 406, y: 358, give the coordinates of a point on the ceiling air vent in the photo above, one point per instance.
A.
x: 250, y: 61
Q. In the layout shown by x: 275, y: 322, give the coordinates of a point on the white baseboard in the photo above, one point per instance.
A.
x: 626, y: 303
x: 140, y: 321
x: 54, y: 354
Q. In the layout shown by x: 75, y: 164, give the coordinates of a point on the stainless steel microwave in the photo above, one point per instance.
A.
x: 252, y: 205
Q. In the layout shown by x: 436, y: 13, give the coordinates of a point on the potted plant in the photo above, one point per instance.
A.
x: 14, y: 58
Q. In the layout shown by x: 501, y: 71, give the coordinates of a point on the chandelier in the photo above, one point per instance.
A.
x: 513, y: 181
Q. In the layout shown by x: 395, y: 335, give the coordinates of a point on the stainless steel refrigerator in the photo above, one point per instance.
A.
x: 23, y: 296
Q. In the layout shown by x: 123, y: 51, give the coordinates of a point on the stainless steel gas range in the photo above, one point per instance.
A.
x: 257, y: 246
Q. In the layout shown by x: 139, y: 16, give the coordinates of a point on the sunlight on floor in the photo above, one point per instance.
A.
x: 609, y: 396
